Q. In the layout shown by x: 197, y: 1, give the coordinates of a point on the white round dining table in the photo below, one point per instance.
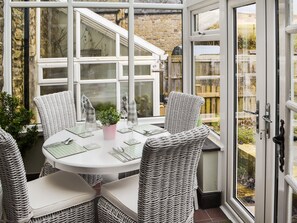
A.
x: 97, y: 161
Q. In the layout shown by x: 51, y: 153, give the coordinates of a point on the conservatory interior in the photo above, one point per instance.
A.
x: 238, y: 55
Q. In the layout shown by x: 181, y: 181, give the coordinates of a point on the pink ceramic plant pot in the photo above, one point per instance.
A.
x: 109, y: 131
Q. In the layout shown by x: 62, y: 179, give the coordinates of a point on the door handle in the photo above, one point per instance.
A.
x: 280, y: 140
x: 267, y: 120
x: 256, y: 113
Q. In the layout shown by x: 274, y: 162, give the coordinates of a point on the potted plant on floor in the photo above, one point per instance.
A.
x: 108, y: 117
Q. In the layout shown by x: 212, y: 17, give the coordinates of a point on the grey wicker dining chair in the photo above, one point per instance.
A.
x: 163, y: 190
x: 57, y: 112
x: 59, y: 197
x: 182, y: 113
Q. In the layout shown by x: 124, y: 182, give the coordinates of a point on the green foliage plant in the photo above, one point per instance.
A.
x: 15, y: 119
x: 246, y: 135
x: 104, y: 106
x: 108, y: 116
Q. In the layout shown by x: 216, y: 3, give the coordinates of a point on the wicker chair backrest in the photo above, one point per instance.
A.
x: 167, y: 172
x: 56, y: 111
x: 182, y: 112
x: 13, y: 179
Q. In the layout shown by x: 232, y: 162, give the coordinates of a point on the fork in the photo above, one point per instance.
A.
x: 120, y: 151
x: 123, y: 151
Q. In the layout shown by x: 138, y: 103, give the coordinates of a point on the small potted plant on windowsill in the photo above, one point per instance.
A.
x: 108, y: 117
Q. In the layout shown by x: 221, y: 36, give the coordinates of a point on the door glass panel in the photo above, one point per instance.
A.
x: 294, y: 208
x: 207, y: 81
x: 245, y: 99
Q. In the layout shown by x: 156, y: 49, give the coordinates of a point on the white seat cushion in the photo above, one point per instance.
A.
x: 123, y: 194
x: 58, y: 191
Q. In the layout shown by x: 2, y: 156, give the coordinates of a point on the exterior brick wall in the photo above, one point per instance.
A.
x: 163, y: 31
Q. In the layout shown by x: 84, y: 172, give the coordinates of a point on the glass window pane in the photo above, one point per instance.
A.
x: 139, y: 70
x: 100, y: 93
x: 33, y: 0
x: 98, y: 41
x: 54, y: 73
x: 98, y: 71
x: 143, y: 97
x: 245, y: 100
x: 52, y: 89
x: 138, y: 51
x: 163, y: 29
x: 206, y: 21
x: 160, y: 1
x: 102, y: 0
x: 294, y: 62
x: 207, y: 81
x: 294, y: 11
x: 23, y: 55
x: 53, y: 32
x: 294, y: 208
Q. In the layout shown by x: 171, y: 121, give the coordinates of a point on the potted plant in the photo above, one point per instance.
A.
x: 108, y: 117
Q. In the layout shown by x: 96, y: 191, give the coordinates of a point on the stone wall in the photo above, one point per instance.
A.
x: 161, y: 30
x: 17, y: 52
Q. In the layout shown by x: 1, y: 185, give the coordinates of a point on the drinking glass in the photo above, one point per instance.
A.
x: 131, y: 124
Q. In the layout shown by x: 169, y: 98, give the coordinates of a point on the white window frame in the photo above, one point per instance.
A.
x: 70, y: 5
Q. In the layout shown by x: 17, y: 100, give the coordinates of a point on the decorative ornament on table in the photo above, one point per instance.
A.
x: 88, y: 112
x: 132, y: 121
x: 124, y: 113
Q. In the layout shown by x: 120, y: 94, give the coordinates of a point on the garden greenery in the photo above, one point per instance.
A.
x: 14, y: 119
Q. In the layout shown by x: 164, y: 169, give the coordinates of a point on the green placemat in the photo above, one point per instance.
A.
x: 60, y: 150
x: 134, y: 152
x: 149, y: 130
x: 118, y: 156
x: 80, y: 130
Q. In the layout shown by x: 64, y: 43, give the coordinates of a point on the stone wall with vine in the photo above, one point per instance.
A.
x: 17, y: 52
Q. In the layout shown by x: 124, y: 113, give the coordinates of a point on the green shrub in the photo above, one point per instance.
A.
x: 14, y: 119
x: 246, y: 135
x: 104, y: 106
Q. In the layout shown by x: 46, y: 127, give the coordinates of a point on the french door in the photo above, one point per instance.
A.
x: 252, y: 92
x: 287, y: 196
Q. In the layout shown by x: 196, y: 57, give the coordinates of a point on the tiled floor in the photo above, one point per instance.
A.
x: 210, y: 215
